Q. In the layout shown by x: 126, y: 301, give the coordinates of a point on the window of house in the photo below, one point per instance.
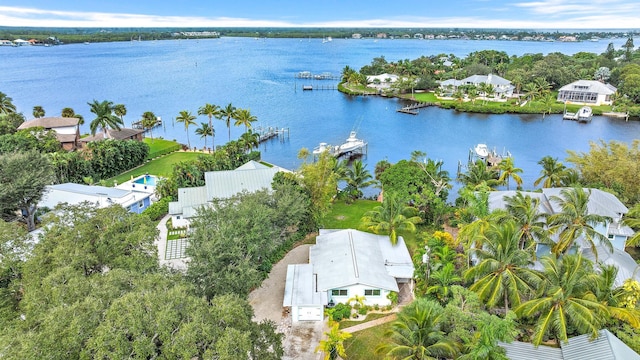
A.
x: 141, y: 204
x: 372, y: 292
x: 339, y: 292
x: 610, y: 236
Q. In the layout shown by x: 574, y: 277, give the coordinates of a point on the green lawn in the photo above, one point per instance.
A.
x: 162, y: 166
x: 362, y: 344
x: 158, y: 144
x: 347, y: 216
x: 373, y: 316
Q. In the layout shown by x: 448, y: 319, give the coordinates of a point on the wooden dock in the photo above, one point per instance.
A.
x: 319, y: 87
x: 268, y: 133
x: 312, y: 76
x: 413, y: 109
x: 138, y: 124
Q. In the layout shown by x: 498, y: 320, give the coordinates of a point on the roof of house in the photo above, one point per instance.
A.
x: 605, y: 347
x: 49, y: 122
x: 226, y: 184
x: 343, y: 258
x: 382, y: 77
x: 72, y: 193
x: 487, y: 79
x: 627, y: 267
x: 122, y: 134
x: 300, y: 288
x: 590, y: 86
x: 66, y: 138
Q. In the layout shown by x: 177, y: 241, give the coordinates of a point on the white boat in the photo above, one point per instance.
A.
x: 351, y: 144
x: 322, y: 147
x: 327, y: 39
x: 584, y: 114
x: 482, y: 151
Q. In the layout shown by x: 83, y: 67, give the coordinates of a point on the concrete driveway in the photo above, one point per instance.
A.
x: 302, y: 338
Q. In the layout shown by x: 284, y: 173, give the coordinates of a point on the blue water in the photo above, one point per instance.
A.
x: 169, y: 76
x: 146, y: 180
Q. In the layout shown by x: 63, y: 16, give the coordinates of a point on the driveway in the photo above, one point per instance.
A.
x: 302, y: 338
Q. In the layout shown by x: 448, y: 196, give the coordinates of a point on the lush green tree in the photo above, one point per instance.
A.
x: 417, y: 334
x: 552, y: 172
x: 38, y: 111
x: 632, y: 219
x: 210, y: 111
x: 503, y: 273
x: 333, y: 345
x: 357, y: 178
x: 205, y: 130
x: 112, y: 157
x: 148, y: 122
x: 36, y: 138
x: 574, y: 221
x: 479, y: 176
x: 226, y: 114
x: 441, y: 280
x: 508, y: 171
x: 530, y: 222
x: 120, y: 110
x: 70, y: 113
x: 187, y: 119
x: 9, y: 122
x: 6, y: 104
x: 250, y: 139
x: 14, y: 247
x: 392, y: 216
x: 23, y: 177
x: 490, y: 330
x: 628, y: 49
x: 104, y: 116
x: 321, y: 182
x: 244, y: 117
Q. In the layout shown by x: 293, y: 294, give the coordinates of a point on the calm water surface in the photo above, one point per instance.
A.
x: 169, y: 76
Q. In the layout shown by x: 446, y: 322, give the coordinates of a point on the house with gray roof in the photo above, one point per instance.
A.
x: 101, y: 196
x: 221, y: 185
x: 587, y: 92
x: 600, y: 203
x: 67, y: 129
x: 344, y: 264
x: 501, y: 86
x: 605, y: 347
x: 122, y: 134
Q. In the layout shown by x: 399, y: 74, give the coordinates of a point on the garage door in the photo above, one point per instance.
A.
x: 307, y: 313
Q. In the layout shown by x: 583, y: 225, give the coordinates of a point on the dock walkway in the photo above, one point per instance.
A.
x: 412, y: 109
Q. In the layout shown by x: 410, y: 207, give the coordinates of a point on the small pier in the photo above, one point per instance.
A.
x: 138, y: 124
x: 311, y: 76
x: 413, y: 109
x: 319, y: 87
x: 270, y: 132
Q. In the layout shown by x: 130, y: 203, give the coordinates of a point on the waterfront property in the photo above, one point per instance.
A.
x: 343, y: 265
x: 221, y: 185
x: 67, y: 129
x: 587, y: 92
x: 122, y: 134
x: 600, y: 203
x: 502, y: 88
x: 102, y: 196
x: 382, y: 81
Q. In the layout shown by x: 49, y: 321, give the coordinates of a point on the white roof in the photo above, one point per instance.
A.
x: 382, y: 77
x: 621, y: 259
x: 300, y: 288
x: 590, y: 86
x: 349, y: 257
x: 72, y: 194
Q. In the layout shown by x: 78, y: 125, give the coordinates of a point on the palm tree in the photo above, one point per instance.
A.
x: 204, y: 130
x: 503, y: 273
x: 333, y: 346
x: 392, y: 216
x: 551, y: 173
x: 250, y: 140
x: 70, y: 113
x: 357, y: 177
x: 531, y: 89
x: 38, y: 111
x: 187, y: 119
x: 244, y: 117
x: 532, y: 224
x: 148, y: 121
x: 104, y: 117
x: 417, y: 334
x: 509, y: 171
x: 120, y: 110
x: 632, y: 219
x: 574, y: 222
x: 547, y: 101
x: 441, y: 281
x: 565, y: 300
x: 479, y: 176
x: 210, y: 111
x: 227, y: 113
x: 6, y: 104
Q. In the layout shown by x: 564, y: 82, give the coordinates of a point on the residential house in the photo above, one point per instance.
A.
x: 382, y: 81
x: 101, y: 196
x: 605, y: 346
x: 220, y: 185
x: 344, y: 264
x: 502, y: 87
x: 21, y: 42
x: 6, y: 43
x: 600, y: 203
x: 587, y: 92
x: 67, y: 129
x: 122, y: 134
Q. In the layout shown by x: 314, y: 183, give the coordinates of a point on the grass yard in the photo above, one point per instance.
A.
x: 162, y: 166
x: 362, y: 344
x: 347, y: 216
x: 373, y: 316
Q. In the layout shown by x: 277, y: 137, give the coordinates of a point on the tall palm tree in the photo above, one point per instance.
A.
x: 227, y: 113
x: 479, y: 176
x: 441, y: 281
x: 417, y: 334
x: 204, y: 130
x: 333, y: 346
x: 574, y: 222
x: 392, y: 216
x: 552, y: 172
x: 38, y: 111
x: 531, y: 89
x: 503, y: 273
x: 566, y: 300
x: 632, y: 219
x: 357, y: 177
x: 70, y: 113
x: 244, y: 117
x: 509, y: 171
x: 532, y: 224
x: 210, y: 111
x: 6, y: 104
x: 187, y: 119
x: 104, y: 116
x: 120, y: 110
x: 250, y: 140
x: 148, y: 121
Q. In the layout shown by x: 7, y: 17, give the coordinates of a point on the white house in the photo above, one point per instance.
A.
x: 501, y: 86
x: 67, y: 129
x: 587, y: 92
x: 343, y: 264
x: 382, y: 81
x: 251, y: 177
x: 101, y: 196
x: 600, y: 203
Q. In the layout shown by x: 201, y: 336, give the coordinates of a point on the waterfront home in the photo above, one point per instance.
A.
x: 343, y: 265
x: 122, y: 134
x: 221, y: 185
x: 600, y: 203
x: 101, y: 196
x: 6, y: 43
x: 382, y: 81
x: 587, y: 92
x: 502, y: 87
x: 67, y: 129
x: 21, y: 42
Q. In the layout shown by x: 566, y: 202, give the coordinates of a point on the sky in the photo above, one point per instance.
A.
x: 484, y: 14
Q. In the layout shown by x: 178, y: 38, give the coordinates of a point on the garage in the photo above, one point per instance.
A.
x: 299, y: 294
x: 308, y: 313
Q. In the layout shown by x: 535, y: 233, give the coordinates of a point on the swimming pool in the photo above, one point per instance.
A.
x: 146, y: 180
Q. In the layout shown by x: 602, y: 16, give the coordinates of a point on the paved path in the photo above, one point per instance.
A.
x: 161, y: 243
x: 370, y: 324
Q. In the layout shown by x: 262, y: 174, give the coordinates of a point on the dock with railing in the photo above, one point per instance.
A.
x: 413, y: 109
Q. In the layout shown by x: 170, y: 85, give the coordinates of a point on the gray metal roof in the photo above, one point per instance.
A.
x: 93, y: 190
x: 49, y: 122
x: 621, y: 259
x: 600, y: 202
x: 590, y: 86
x: 518, y: 350
x: 348, y: 257
x: 226, y: 184
x: 252, y: 165
x: 300, y: 287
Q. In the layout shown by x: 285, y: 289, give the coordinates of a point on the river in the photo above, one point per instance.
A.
x: 169, y: 76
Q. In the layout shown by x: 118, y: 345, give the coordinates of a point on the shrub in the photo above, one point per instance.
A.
x: 393, y: 296
x: 339, y: 312
x: 158, y: 209
x: 363, y: 310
